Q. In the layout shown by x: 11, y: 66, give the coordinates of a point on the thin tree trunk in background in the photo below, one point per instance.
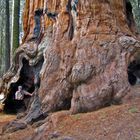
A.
x: 2, y: 36
x: 1, y: 50
x: 7, y: 37
x: 15, y: 25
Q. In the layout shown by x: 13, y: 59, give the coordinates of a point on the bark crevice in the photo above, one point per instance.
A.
x: 86, y: 51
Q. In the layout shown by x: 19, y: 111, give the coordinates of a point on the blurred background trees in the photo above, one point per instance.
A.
x: 2, y: 35
x: 136, y: 11
x: 10, y: 30
x: 15, y: 25
x: 7, y: 36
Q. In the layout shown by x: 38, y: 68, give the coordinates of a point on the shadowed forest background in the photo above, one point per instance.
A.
x: 8, y: 16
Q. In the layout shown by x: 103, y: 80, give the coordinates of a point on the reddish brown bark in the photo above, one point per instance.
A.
x: 87, y: 52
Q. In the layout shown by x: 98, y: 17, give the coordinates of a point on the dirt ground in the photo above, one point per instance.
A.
x: 112, y: 123
x: 19, y: 135
x: 117, y: 122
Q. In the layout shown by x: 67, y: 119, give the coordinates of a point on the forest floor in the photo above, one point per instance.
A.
x: 18, y: 135
x: 117, y: 122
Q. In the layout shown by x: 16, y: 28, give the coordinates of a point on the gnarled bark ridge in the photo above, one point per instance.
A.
x: 86, y: 47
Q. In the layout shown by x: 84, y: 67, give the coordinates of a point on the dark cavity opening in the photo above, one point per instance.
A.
x: 129, y: 14
x: 134, y: 73
x: 37, y: 18
x: 71, y: 24
x: 26, y: 80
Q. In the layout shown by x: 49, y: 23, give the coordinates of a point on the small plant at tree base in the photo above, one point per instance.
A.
x: 133, y: 110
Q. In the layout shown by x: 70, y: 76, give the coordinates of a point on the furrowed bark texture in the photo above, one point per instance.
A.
x: 81, y: 54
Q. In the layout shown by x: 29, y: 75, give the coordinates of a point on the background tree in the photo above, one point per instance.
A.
x: 6, y: 31
x: 136, y: 11
x: 15, y: 24
x: 2, y: 36
x: 7, y: 36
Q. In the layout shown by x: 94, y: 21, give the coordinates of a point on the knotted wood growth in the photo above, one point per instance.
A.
x: 86, y: 45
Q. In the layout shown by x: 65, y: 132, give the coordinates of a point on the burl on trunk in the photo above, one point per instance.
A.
x: 77, y: 55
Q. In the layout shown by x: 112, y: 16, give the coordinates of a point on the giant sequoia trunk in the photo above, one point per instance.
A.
x: 85, y: 55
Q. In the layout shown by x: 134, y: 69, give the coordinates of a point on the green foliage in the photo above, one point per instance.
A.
x: 77, y: 116
x: 133, y: 110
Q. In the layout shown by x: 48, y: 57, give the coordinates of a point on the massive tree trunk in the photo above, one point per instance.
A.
x: 85, y: 56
